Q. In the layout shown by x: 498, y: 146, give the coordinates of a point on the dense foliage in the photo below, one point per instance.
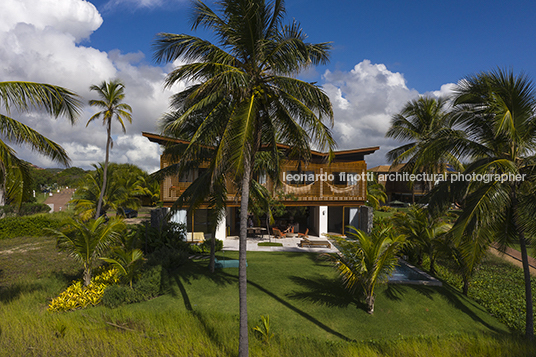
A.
x: 29, y: 226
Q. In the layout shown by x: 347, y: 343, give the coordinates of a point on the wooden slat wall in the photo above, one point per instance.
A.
x: 319, y: 193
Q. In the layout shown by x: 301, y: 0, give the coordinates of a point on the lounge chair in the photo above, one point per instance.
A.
x: 306, y: 243
x: 278, y: 233
x: 304, y: 235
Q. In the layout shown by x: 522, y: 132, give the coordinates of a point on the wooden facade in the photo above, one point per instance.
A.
x: 341, y: 182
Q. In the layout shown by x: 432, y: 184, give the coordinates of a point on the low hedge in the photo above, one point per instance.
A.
x: 152, y: 283
x: 29, y: 226
x: 26, y: 209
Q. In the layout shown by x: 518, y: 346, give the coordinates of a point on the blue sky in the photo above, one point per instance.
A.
x: 384, y: 54
x: 430, y: 42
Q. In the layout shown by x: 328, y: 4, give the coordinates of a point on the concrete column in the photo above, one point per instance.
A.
x: 179, y: 217
x: 221, y: 228
x: 322, y: 220
x: 354, y: 217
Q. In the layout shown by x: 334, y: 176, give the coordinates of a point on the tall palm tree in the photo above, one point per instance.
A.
x: 26, y: 96
x: 111, y: 94
x: 245, y: 91
x: 494, y: 113
x: 419, y: 122
x: 367, y: 259
x: 87, y: 241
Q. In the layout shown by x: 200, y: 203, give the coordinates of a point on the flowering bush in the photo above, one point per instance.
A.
x: 78, y: 297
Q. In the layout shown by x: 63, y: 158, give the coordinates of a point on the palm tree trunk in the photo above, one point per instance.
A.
x: 465, y: 289
x: 243, y: 344
x: 212, y: 263
x: 105, y: 172
x: 529, y: 325
x: 87, y: 276
x: 369, y: 300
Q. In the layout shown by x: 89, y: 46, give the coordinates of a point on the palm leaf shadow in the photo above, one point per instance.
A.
x: 324, y: 291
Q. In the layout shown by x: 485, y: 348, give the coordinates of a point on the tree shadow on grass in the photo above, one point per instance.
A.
x: 197, y: 270
x: 14, y: 291
x: 454, y: 298
x: 395, y: 291
x: 327, y: 292
x: 299, y: 311
x: 193, y: 271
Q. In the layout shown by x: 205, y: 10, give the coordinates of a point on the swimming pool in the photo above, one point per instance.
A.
x: 405, y: 273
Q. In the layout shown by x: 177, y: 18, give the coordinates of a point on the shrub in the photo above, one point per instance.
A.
x: 147, y: 287
x: 117, y: 295
x: 26, y: 209
x: 78, y: 297
x: 168, y: 258
x: 29, y: 226
x: 205, y: 247
x: 172, y: 235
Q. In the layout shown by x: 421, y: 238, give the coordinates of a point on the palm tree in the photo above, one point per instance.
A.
x: 111, y: 94
x: 86, y: 241
x: 494, y: 113
x: 422, y: 230
x: 367, y: 259
x: 127, y: 262
x: 419, y: 122
x: 245, y: 93
x: 25, y: 96
x: 375, y: 193
x: 121, y: 190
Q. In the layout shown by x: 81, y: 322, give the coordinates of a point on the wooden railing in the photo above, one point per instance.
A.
x: 324, y: 186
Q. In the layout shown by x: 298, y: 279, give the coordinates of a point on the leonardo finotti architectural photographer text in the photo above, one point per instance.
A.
x: 402, y: 177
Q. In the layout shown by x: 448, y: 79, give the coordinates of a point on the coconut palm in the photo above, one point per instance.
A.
x: 494, y: 113
x: 375, y: 193
x: 423, y: 230
x: 245, y: 91
x: 419, y: 122
x: 111, y: 94
x: 23, y: 97
x: 366, y: 260
x: 121, y: 190
x: 87, y: 241
x: 127, y: 262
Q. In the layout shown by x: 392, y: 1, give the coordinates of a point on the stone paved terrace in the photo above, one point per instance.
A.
x: 289, y: 244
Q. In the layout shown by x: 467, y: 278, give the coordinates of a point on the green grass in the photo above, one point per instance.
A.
x: 310, y: 314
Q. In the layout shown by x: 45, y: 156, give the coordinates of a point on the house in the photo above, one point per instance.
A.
x: 398, y: 186
x: 330, y: 195
x: 398, y: 189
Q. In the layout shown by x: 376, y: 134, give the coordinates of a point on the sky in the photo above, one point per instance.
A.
x: 384, y: 53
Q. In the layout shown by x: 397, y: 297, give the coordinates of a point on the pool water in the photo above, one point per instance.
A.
x: 406, y: 274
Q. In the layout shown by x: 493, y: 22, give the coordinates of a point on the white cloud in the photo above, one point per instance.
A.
x: 76, y: 17
x: 364, y: 100
x: 137, y: 4
x: 445, y: 91
x: 39, y: 41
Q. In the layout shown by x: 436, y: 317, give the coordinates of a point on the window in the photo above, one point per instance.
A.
x: 187, y: 176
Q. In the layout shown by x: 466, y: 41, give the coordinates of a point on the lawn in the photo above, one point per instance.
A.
x: 309, y: 311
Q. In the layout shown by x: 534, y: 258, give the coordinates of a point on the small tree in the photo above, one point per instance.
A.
x: 423, y: 231
x: 86, y: 241
x: 367, y: 259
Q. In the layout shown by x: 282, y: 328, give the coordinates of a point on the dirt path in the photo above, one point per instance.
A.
x: 60, y: 199
x: 514, y: 256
